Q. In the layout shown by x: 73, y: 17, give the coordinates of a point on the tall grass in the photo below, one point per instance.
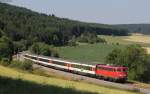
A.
x: 18, y: 86
x: 24, y: 65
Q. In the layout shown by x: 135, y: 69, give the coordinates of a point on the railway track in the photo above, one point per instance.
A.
x: 72, y: 76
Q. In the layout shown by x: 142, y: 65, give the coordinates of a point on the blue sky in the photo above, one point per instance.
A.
x: 98, y: 11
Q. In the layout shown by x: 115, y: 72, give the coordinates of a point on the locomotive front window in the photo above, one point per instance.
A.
x: 125, y: 70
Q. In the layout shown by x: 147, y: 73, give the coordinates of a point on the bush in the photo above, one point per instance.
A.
x: 5, y: 61
x: 43, y: 49
x: 135, y: 58
x: 40, y: 72
x: 26, y: 65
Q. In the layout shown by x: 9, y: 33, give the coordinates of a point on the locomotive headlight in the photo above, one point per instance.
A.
x: 121, y: 75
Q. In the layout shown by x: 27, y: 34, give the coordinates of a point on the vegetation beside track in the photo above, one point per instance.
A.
x: 26, y: 83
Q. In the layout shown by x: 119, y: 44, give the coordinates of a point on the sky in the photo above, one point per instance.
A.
x: 95, y: 11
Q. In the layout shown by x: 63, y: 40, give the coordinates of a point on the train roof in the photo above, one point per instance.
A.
x: 59, y: 60
x: 110, y: 66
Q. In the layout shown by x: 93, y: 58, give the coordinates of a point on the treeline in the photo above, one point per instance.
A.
x: 90, y: 38
x: 135, y: 28
x: 135, y: 58
x: 20, y: 24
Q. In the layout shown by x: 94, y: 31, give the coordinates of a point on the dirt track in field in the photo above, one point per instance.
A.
x: 147, y: 49
x: 76, y: 77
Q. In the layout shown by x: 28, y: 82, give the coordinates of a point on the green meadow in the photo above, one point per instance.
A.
x: 88, y: 53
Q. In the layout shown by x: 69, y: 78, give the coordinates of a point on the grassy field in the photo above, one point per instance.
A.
x: 91, y: 53
x: 96, y: 53
x: 14, y: 82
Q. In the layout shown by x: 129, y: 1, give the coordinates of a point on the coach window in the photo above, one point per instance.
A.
x: 32, y: 57
x: 59, y: 63
x: 77, y: 66
x: 86, y: 67
x: 62, y: 63
x: 44, y: 60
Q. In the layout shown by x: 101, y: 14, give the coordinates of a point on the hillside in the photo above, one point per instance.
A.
x: 135, y: 28
x: 21, y: 24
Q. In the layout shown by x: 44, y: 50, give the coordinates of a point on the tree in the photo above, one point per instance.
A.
x: 134, y: 57
x: 0, y: 33
x: 72, y: 42
x: 35, y: 48
x: 6, y: 49
x: 44, y: 49
x: 19, y: 46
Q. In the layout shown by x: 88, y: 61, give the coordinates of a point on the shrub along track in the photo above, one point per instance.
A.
x: 76, y: 77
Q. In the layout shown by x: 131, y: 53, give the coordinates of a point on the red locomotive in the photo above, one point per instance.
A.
x: 103, y: 71
x: 111, y: 72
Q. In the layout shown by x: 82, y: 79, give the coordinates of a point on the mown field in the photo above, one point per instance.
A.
x: 15, y: 82
x: 143, y: 40
x: 88, y: 53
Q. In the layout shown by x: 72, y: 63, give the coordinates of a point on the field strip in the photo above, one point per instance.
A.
x: 135, y: 38
x: 147, y: 49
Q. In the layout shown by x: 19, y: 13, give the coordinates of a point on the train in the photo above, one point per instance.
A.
x: 101, y: 71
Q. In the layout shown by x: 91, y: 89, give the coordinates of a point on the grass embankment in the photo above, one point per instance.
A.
x: 93, y: 53
x: 14, y: 82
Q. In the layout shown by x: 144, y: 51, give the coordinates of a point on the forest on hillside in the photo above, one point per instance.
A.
x: 135, y: 28
x: 20, y: 24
